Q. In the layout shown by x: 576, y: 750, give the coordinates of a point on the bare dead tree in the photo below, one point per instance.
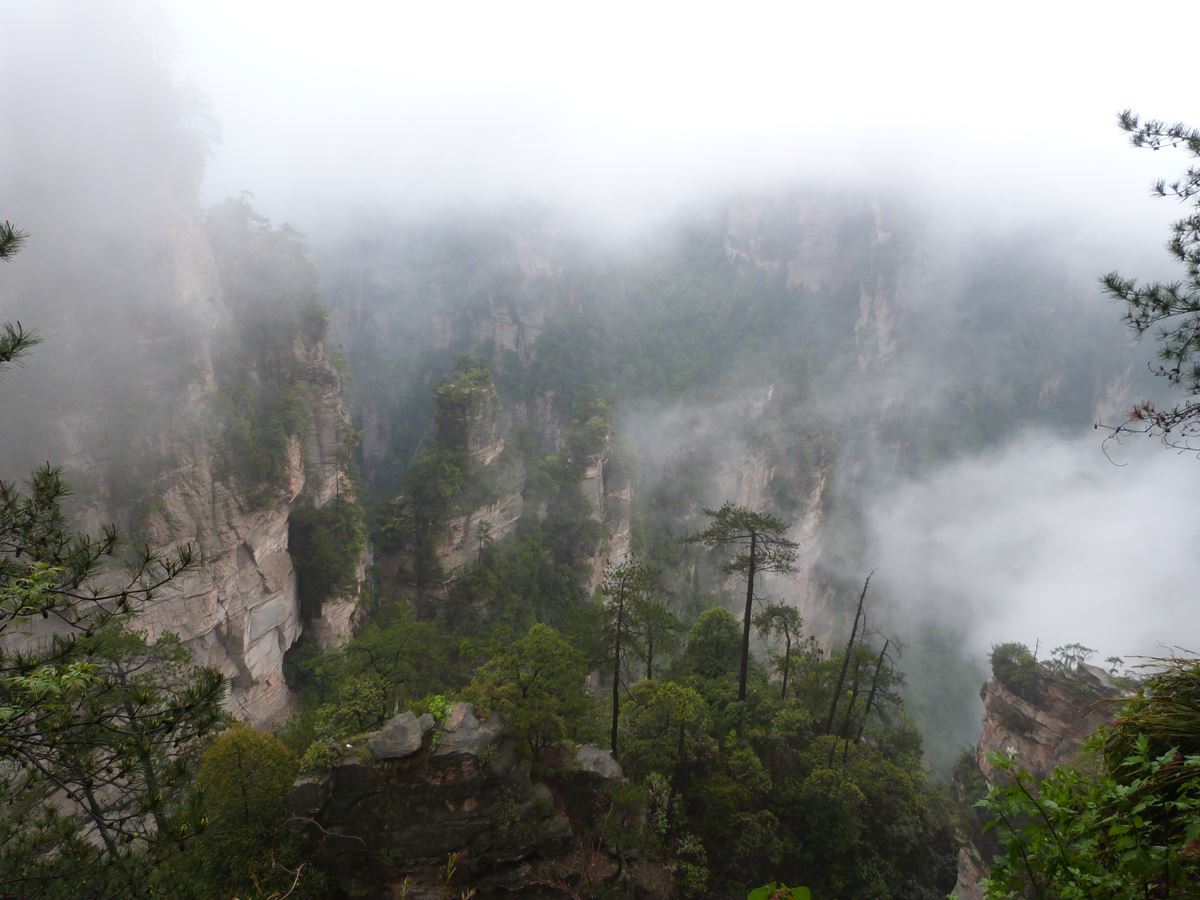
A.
x: 837, y: 691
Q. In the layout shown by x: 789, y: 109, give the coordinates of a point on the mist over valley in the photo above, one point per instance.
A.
x: 580, y: 452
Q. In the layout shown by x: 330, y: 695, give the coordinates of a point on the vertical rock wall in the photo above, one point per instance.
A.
x: 237, y: 609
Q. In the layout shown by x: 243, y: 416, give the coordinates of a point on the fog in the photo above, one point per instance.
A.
x: 1044, y: 542
x: 623, y: 113
x: 992, y: 127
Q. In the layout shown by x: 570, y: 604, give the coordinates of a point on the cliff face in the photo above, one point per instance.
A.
x: 608, y: 491
x: 238, y: 609
x: 148, y: 427
x: 1046, y: 727
x: 404, y: 798
x: 1044, y: 720
x: 469, y: 421
x: 750, y: 483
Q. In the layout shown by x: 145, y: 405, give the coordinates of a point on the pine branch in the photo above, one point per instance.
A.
x: 11, y: 240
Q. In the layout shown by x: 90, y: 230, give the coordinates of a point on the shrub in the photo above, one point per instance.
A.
x: 318, y: 759
x: 1015, y: 668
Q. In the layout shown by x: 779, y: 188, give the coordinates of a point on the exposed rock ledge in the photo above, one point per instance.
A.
x: 405, y: 797
x: 1046, y: 727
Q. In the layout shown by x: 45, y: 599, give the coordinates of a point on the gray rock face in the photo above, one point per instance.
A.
x: 1045, y: 729
x: 464, y: 733
x: 598, y: 761
x: 400, y: 737
x: 468, y: 792
x: 239, y: 611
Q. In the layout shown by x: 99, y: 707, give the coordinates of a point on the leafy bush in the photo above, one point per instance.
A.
x: 359, y: 704
x: 318, y: 759
x: 1014, y: 666
x: 464, y: 386
x: 1129, y: 831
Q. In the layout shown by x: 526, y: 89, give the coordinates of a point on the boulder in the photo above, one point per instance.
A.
x: 463, y: 733
x: 598, y: 761
x: 400, y: 737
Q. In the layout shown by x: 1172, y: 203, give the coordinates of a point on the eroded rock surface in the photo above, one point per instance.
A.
x: 1044, y: 724
x: 397, y: 805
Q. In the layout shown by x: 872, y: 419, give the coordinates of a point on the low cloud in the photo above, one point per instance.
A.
x: 1046, y: 540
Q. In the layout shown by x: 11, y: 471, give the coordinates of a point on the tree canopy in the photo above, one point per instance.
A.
x: 760, y: 544
x: 1172, y: 308
x: 100, y: 724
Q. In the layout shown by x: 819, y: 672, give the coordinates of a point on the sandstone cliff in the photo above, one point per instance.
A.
x: 175, y: 431
x: 238, y: 610
x: 1041, y: 716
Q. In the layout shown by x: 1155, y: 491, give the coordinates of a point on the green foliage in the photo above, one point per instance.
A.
x: 1173, y: 308
x: 591, y: 424
x: 414, y: 523
x: 713, y: 646
x: 658, y: 629
x: 99, y: 726
x: 779, y: 620
x: 539, y: 573
x: 15, y: 341
x: 265, y: 382
x: 691, y: 868
x: 325, y: 545
x: 465, y: 385
x: 11, y: 241
x: 439, y: 707
x: 625, y: 588
x: 318, y: 759
x: 1127, y: 830
x: 736, y: 529
x: 395, y: 659
x: 359, y: 704
x: 537, y: 685
x: 777, y: 891
x: 243, y: 782
x: 98, y: 751
x: 1014, y: 667
x: 260, y: 419
x: 1068, y: 657
x: 760, y: 545
x: 666, y: 728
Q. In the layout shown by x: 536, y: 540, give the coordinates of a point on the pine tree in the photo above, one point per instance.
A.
x: 1173, y: 308
x: 760, y: 545
x: 781, y: 620
x: 98, y: 724
x: 625, y: 588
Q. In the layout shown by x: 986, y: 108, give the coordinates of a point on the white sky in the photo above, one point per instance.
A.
x: 623, y: 109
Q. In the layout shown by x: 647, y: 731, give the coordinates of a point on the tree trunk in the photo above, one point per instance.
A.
x: 844, y: 731
x: 746, y: 621
x: 874, y: 686
x: 787, y: 659
x: 650, y: 654
x: 837, y: 691
x: 616, y: 698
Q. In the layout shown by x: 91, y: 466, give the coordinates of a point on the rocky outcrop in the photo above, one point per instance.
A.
x: 609, y: 494
x: 470, y: 423
x: 464, y: 537
x: 238, y: 609
x: 1045, y: 726
x: 1043, y: 720
x: 468, y: 418
x: 403, y: 800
